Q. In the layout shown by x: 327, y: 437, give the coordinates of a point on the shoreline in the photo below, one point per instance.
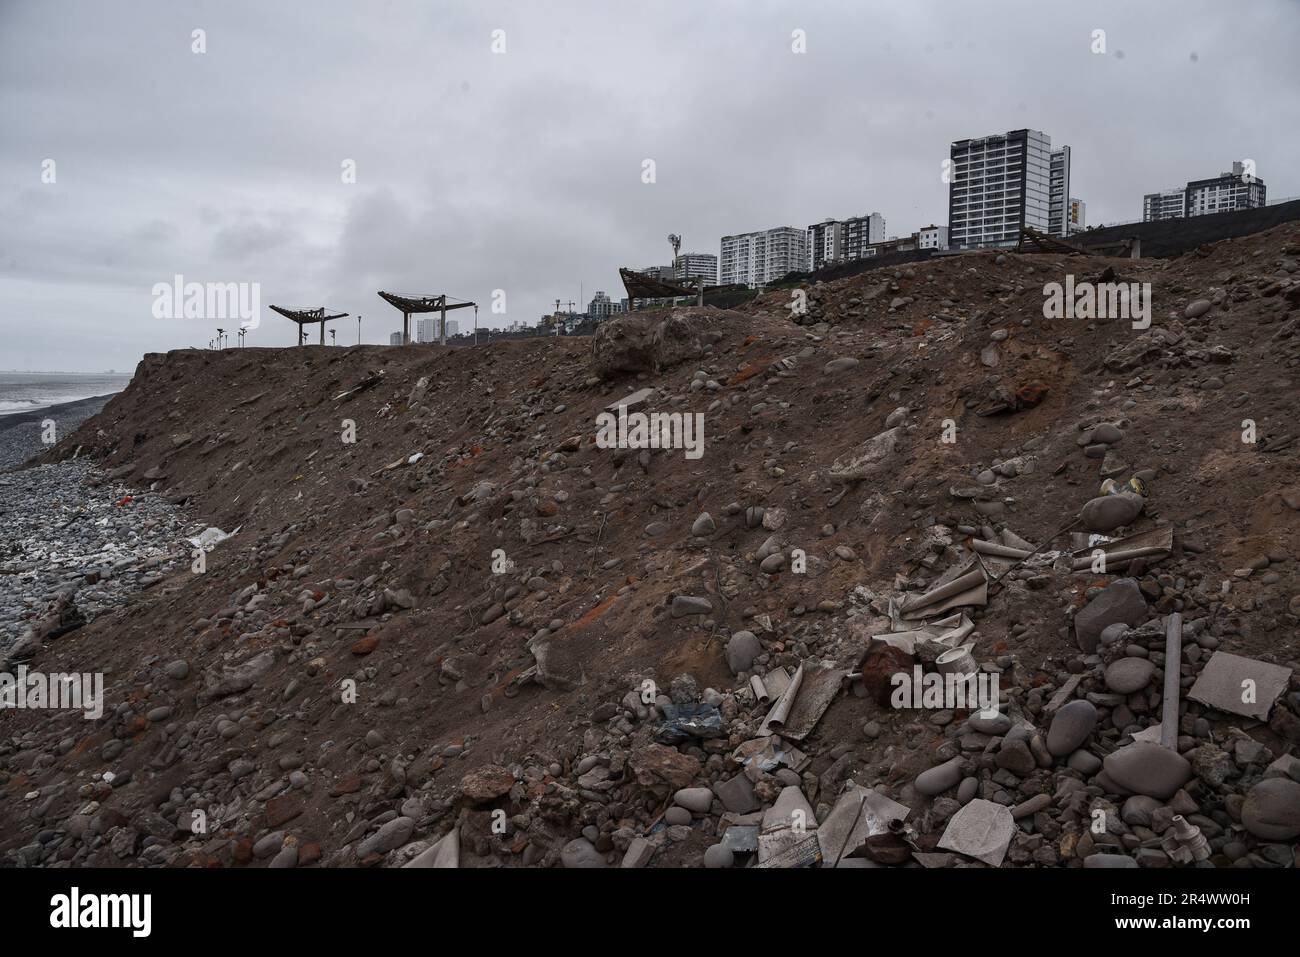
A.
x: 10, y: 419
x: 20, y: 432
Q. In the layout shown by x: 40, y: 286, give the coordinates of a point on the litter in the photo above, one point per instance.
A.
x: 769, y: 753
x: 859, y: 813
x: 683, y: 722
x: 967, y: 585
x: 804, y: 702
x: 1154, y: 544
x: 211, y: 537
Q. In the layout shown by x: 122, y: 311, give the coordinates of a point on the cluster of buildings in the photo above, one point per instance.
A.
x: 426, y: 330
x: 1238, y: 189
x: 997, y: 185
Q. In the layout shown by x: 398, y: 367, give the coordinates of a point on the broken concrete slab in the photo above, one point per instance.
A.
x: 737, y: 795
x: 982, y: 830
x: 1238, y: 685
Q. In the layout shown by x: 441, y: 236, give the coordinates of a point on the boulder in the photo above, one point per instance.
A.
x: 1109, y: 512
x: 1070, y: 727
x: 1120, y: 601
x: 1147, y: 768
x: 1271, y: 811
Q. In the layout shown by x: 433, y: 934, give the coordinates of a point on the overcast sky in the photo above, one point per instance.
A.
x: 522, y: 170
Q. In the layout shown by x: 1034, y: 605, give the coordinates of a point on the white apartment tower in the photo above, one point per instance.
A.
x: 1058, y: 207
x: 999, y: 184
x: 692, y: 266
x: 835, y: 240
x: 756, y: 259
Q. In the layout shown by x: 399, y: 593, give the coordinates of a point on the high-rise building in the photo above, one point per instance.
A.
x: 1238, y: 189
x: 758, y: 258
x: 860, y: 232
x: 453, y: 327
x: 1058, y: 204
x: 1166, y: 204
x: 825, y: 243
x: 998, y: 185
x: 395, y: 339
x: 691, y: 266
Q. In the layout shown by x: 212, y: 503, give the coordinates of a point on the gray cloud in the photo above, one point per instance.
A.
x: 521, y: 171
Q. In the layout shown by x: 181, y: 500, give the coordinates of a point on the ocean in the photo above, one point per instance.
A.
x: 32, y: 391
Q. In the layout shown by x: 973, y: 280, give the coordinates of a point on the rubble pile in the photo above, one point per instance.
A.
x: 952, y: 585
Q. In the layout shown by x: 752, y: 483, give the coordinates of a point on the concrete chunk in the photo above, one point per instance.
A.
x: 1240, y: 685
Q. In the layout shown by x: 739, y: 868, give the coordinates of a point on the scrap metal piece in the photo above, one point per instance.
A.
x: 741, y: 838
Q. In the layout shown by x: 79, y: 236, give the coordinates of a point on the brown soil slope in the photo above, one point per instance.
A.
x: 373, y: 560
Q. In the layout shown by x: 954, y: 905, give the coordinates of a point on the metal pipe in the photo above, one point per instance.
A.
x: 1173, y: 659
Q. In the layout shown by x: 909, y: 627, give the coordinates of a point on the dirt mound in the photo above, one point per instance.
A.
x: 438, y: 569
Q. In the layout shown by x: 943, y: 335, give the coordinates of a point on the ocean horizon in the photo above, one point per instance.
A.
x: 33, y: 391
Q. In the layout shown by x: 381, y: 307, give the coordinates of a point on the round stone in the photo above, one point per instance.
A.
x: 1271, y: 810
x: 1070, y: 727
x: 1107, y: 433
x: 742, y: 648
x: 968, y: 789
x: 1128, y: 675
x: 1145, y: 767
x: 1085, y: 762
x: 1138, y: 809
x: 580, y: 852
x: 1108, y: 512
x: 695, y: 800
x: 994, y: 724
x: 1113, y: 633
x: 939, y: 778
x: 719, y: 855
x: 676, y: 815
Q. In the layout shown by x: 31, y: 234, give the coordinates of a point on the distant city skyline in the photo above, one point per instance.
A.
x: 405, y: 154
